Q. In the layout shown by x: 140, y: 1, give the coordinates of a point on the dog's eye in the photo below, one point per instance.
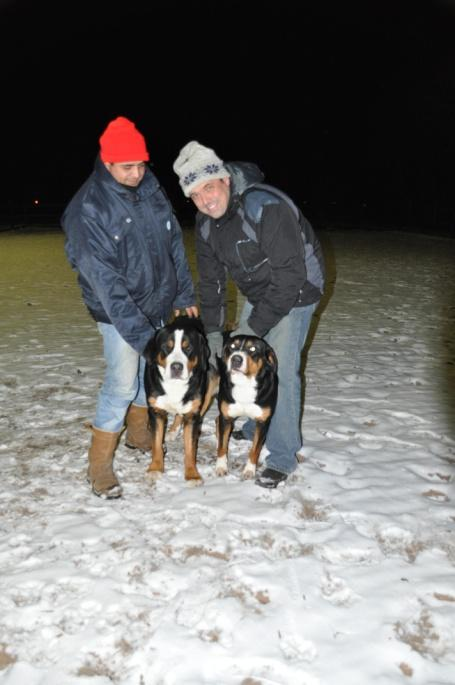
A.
x: 233, y: 346
x: 252, y: 348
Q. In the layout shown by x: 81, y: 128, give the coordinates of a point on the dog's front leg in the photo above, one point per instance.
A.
x: 212, y: 389
x: 174, y: 430
x: 191, y: 428
x: 157, y: 427
x: 224, y: 427
x: 258, y: 441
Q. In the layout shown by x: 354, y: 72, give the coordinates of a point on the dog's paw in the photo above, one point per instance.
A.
x: 194, y: 482
x: 173, y: 435
x: 221, y: 468
x: 152, y: 476
x: 249, y: 471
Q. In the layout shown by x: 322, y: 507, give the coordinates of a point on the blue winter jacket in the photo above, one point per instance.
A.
x: 126, y: 246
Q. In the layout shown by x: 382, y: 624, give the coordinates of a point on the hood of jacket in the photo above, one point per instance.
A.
x: 243, y: 175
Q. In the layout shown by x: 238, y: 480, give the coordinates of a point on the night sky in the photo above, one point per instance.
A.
x: 349, y: 107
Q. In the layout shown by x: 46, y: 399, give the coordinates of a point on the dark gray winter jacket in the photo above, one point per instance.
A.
x: 281, y: 268
x: 126, y: 246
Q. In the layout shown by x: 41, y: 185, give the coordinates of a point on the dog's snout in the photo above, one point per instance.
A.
x: 236, y: 361
x: 176, y: 369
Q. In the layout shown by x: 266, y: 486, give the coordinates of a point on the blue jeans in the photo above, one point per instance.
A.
x: 284, y: 437
x: 123, y: 381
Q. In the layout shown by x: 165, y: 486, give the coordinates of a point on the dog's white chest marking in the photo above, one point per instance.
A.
x: 171, y: 401
x: 244, y: 392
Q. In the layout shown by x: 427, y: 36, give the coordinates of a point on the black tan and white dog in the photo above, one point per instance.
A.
x: 248, y: 387
x: 178, y: 380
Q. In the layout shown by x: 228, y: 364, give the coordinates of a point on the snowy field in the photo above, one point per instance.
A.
x: 344, y: 576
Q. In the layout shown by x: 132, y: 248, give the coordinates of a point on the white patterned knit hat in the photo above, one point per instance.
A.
x: 197, y: 163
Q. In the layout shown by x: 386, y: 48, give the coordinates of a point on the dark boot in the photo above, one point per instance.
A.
x: 270, y: 478
x: 100, y: 473
x: 138, y: 435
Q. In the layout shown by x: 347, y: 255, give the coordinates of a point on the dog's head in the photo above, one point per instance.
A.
x: 179, y: 348
x: 248, y: 355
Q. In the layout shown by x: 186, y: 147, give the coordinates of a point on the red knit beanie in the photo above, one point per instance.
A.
x: 122, y: 142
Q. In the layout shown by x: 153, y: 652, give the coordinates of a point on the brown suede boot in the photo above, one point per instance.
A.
x: 138, y: 435
x: 100, y: 473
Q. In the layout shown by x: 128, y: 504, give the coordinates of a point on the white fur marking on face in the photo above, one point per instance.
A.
x: 243, y: 368
x: 177, y: 355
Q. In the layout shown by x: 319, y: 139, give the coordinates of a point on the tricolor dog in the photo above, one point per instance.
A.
x: 248, y: 387
x: 178, y: 380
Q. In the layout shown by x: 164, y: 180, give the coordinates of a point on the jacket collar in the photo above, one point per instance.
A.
x: 148, y: 186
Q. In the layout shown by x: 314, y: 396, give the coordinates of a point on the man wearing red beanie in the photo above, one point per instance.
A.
x: 125, y: 243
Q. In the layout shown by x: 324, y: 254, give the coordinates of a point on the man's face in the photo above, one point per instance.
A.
x: 127, y: 173
x: 212, y: 197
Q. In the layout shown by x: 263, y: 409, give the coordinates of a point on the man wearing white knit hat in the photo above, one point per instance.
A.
x: 255, y: 233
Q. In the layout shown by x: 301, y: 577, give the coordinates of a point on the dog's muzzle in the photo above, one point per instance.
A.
x: 236, y: 362
x: 176, y: 370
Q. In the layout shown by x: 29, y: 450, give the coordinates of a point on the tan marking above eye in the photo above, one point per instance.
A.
x: 185, y: 343
x: 170, y: 344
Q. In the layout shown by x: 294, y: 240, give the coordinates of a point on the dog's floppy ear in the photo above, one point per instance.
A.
x: 271, y: 357
x: 205, y: 349
x: 198, y: 326
x: 149, y: 352
x: 220, y: 365
x: 227, y: 337
x: 196, y: 321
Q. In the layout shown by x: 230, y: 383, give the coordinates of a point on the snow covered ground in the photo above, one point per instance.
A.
x: 344, y: 576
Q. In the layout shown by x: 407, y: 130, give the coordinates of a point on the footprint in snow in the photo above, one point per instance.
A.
x: 336, y: 591
x: 436, y: 495
x: 434, y: 477
x: 294, y: 647
x: 334, y: 465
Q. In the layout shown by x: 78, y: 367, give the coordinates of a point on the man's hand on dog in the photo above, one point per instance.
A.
x: 192, y: 311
